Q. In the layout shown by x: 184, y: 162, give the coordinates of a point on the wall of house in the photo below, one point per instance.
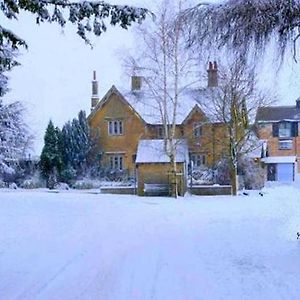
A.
x: 265, y: 132
x: 158, y: 173
x: 212, y: 142
x: 133, y: 131
x: 152, y: 131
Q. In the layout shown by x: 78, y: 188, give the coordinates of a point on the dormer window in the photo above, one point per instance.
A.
x: 285, y: 129
x: 115, y: 127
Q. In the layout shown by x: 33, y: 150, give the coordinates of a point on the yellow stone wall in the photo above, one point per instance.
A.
x: 159, y: 173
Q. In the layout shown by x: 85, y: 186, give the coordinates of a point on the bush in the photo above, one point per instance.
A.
x: 32, y: 183
x: 86, y: 184
x: 222, y: 172
x: 2, y: 184
x: 13, y: 186
x: 203, y: 176
x: 61, y: 186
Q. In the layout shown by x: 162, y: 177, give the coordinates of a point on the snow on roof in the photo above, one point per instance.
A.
x: 152, y: 151
x: 149, y: 107
x: 279, y: 159
x: 277, y: 114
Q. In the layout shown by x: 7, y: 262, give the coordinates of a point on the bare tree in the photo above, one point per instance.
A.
x: 168, y: 69
x: 233, y: 104
x: 246, y: 26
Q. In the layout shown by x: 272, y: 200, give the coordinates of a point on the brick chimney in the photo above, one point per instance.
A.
x: 212, y: 74
x: 298, y: 103
x: 136, y: 83
x: 95, y: 96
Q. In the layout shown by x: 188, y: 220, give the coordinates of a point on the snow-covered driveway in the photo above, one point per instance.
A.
x: 87, y: 246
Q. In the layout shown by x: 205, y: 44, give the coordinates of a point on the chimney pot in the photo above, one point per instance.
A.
x: 136, y: 83
x: 95, y: 97
x: 212, y: 74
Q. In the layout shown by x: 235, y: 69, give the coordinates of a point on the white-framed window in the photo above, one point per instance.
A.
x: 285, y: 144
x: 116, y: 162
x: 115, y: 127
x: 199, y: 160
x: 197, y: 129
x: 285, y: 129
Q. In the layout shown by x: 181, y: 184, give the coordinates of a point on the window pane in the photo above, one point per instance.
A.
x: 120, y: 127
x: 111, y: 162
x: 110, y: 127
x: 197, y: 129
x: 285, y: 129
x: 121, y: 162
x: 115, y: 127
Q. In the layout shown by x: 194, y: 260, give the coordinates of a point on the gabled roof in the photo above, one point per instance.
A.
x: 277, y: 114
x: 145, y: 105
x: 111, y: 91
x: 153, y: 151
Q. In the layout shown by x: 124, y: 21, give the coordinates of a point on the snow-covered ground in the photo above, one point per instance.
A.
x: 90, y: 246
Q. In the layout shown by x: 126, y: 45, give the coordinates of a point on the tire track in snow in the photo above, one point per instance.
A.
x: 29, y: 292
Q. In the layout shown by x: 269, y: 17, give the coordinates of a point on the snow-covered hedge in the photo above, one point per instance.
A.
x: 2, y: 184
x: 203, y: 176
x: 86, y: 184
x: 32, y: 183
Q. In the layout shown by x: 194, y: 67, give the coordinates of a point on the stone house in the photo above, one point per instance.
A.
x: 278, y: 128
x: 124, y: 121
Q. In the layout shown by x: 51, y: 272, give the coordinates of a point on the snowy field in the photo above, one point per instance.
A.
x: 91, y: 246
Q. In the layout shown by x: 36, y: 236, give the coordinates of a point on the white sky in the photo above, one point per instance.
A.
x: 54, y: 81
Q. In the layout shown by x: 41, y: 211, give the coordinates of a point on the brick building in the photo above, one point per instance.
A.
x: 278, y: 128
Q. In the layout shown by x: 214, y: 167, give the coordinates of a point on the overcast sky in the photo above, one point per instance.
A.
x: 54, y: 80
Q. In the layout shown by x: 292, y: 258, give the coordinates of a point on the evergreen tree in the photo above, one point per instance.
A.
x: 51, y: 162
x: 76, y: 144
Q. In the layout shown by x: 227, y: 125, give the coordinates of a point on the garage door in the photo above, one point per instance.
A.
x: 285, y: 172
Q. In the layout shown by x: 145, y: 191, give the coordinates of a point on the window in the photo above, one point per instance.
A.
x: 198, y: 160
x: 285, y: 144
x: 116, y: 162
x: 115, y: 127
x: 285, y: 129
x: 197, y: 129
x: 160, y: 132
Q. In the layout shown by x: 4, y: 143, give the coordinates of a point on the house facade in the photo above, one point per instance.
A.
x: 278, y: 128
x: 123, y: 119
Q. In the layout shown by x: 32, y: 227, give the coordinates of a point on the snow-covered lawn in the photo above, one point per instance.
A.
x: 92, y: 246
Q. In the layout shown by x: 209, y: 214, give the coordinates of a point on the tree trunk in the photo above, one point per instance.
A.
x: 173, y: 177
x: 233, y: 178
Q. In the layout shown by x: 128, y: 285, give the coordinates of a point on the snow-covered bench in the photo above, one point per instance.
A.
x: 156, y: 189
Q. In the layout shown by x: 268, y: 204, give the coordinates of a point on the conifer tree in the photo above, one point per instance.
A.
x: 51, y: 162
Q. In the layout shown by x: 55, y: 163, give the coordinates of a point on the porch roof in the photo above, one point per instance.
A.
x: 279, y: 159
x: 152, y: 151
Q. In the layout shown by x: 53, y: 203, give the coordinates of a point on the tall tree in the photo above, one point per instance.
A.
x: 233, y: 104
x: 167, y: 70
x: 14, y: 134
x: 51, y: 162
x: 77, y: 143
x: 88, y: 16
x: 246, y: 25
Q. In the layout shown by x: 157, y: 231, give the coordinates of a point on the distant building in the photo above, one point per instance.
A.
x: 278, y: 128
